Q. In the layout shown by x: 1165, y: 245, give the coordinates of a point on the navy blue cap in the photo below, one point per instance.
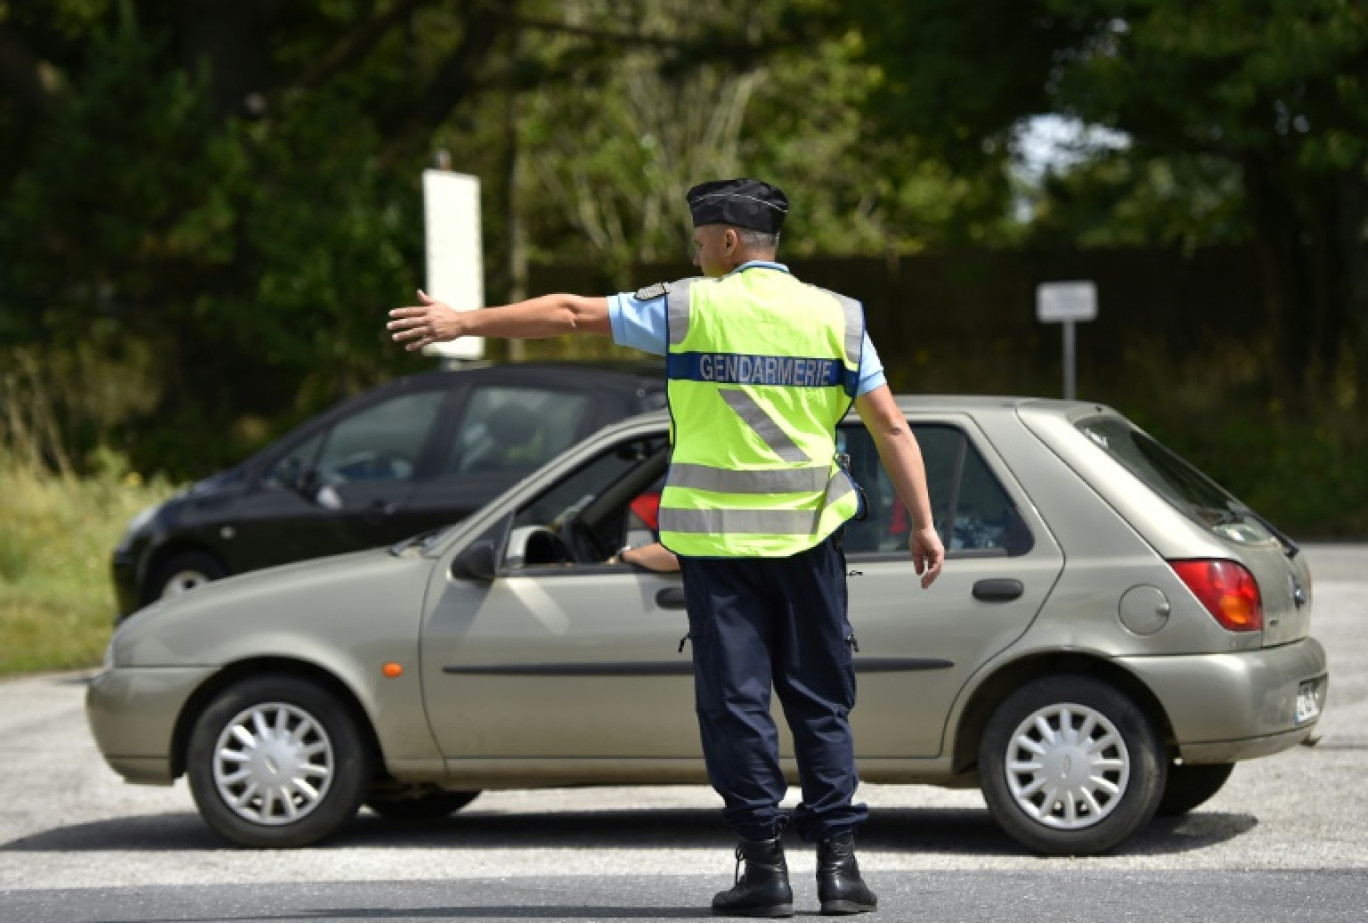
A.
x: 742, y: 203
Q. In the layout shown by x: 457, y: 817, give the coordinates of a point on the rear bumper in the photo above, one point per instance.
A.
x: 133, y: 714
x: 1228, y: 707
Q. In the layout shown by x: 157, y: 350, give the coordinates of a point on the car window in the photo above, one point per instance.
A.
x: 289, y: 469
x: 516, y: 429
x: 972, y: 512
x: 381, y: 442
x: 1182, y: 485
x: 586, y: 483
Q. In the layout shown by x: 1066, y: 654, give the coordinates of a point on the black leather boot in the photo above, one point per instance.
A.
x: 839, y: 885
x: 762, y: 890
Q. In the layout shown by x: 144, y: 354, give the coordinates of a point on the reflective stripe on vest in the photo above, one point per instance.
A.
x: 761, y: 369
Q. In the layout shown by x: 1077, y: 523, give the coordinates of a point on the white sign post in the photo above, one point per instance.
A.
x: 455, y: 262
x: 1066, y: 303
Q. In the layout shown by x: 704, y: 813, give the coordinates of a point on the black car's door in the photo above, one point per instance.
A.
x: 358, y: 472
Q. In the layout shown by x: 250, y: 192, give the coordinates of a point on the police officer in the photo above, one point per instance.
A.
x: 761, y: 368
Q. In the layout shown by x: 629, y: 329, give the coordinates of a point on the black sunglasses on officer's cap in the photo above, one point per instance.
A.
x: 742, y: 203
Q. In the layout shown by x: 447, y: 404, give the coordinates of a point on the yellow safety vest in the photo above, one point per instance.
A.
x: 761, y: 368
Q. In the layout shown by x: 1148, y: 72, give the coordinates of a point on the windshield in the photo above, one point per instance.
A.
x: 1182, y: 485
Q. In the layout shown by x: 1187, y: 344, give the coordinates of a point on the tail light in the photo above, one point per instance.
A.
x: 1227, y: 589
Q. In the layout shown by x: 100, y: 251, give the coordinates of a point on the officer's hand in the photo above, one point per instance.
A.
x: 418, y: 325
x: 928, y: 554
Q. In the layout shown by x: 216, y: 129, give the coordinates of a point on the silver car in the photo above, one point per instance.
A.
x: 1111, y: 634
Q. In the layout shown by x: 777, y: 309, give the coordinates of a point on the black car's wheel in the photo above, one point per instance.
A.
x: 1070, y: 767
x: 277, y: 761
x: 185, y: 572
x: 422, y: 806
x: 1189, y: 785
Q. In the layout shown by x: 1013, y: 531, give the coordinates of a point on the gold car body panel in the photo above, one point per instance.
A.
x: 132, y: 713
x: 346, y: 617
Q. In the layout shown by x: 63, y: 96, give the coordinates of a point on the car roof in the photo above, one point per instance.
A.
x: 974, y: 404
x: 979, y: 402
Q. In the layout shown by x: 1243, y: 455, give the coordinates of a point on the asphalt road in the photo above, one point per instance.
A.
x: 1286, y: 839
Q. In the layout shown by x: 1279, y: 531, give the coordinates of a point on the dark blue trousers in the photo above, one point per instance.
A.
x: 781, y: 622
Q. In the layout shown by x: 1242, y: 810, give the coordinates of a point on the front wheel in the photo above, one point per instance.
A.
x: 277, y: 762
x: 1070, y: 766
x: 185, y: 572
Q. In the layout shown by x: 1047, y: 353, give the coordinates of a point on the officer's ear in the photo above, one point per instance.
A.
x: 731, y: 241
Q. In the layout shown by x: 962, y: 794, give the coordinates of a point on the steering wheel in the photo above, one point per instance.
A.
x: 580, y: 540
x: 370, y: 465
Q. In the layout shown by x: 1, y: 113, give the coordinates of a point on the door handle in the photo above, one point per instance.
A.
x: 998, y: 590
x: 672, y: 597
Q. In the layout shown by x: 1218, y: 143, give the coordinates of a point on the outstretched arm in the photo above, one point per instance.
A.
x: 435, y: 321
x: 902, y: 459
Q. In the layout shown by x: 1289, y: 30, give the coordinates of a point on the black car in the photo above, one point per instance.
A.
x: 416, y: 453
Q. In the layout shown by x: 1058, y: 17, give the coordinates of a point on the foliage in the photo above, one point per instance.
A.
x: 1117, y: 200
x: 56, y: 602
x: 145, y: 224
x: 1258, y: 105
x: 646, y: 132
x: 210, y: 206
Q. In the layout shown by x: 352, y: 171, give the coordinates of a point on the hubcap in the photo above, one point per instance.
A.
x: 273, y: 764
x: 1067, y: 766
x: 183, y: 582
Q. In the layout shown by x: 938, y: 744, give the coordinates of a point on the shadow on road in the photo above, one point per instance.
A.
x: 494, y: 912
x: 923, y: 830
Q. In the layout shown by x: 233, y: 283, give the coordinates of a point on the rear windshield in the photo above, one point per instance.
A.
x: 1178, y: 482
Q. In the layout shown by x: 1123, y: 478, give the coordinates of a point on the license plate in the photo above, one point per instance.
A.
x: 1308, y: 706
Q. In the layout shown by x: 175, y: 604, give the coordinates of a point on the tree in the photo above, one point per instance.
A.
x: 221, y: 197
x: 1276, y: 90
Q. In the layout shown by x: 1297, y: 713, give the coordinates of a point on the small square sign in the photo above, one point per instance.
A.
x: 1057, y: 302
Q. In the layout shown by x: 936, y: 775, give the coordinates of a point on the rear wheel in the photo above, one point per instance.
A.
x: 1070, y: 766
x: 425, y: 805
x: 277, y: 761
x: 1191, y: 785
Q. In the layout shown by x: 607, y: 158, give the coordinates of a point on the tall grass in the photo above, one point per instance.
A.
x: 56, y: 534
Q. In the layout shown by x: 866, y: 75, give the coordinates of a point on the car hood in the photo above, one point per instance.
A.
x: 273, y: 611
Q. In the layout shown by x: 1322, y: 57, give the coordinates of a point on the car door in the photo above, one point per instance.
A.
x: 576, y: 664
x: 917, y: 649
x: 556, y: 661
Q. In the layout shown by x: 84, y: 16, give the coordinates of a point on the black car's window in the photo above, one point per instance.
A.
x: 381, y: 442
x: 516, y: 429
x: 1182, y: 485
x: 289, y: 469
x: 972, y: 511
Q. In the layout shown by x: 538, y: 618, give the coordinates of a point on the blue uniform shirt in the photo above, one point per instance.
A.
x: 641, y: 325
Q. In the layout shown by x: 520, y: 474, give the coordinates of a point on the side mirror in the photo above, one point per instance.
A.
x: 328, y: 498
x: 310, y: 486
x: 477, y: 562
